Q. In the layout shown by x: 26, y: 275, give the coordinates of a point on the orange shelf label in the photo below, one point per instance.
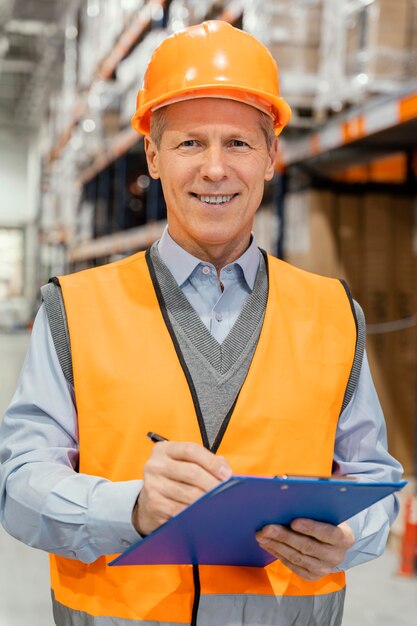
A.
x: 353, y: 130
x: 408, y: 108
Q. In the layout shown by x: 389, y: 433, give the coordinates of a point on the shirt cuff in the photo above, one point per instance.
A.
x: 110, y: 516
x: 371, y: 528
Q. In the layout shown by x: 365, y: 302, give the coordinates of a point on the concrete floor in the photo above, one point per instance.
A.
x: 376, y: 596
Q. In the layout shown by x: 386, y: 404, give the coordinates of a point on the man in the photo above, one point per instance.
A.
x: 245, y: 364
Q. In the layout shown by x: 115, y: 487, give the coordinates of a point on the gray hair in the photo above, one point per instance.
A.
x: 159, y: 122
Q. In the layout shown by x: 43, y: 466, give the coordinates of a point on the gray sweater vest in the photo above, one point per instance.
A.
x: 217, y: 370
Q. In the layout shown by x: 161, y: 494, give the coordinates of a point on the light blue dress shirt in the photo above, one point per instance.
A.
x: 48, y: 505
x: 218, y: 303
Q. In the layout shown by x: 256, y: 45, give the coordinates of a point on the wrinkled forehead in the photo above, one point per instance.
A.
x: 209, y: 112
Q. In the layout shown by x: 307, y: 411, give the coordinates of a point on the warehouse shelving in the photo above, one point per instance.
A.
x: 105, y: 68
x: 125, y: 143
x: 130, y: 37
x: 382, y: 125
x: 120, y: 144
x: 118, y: 243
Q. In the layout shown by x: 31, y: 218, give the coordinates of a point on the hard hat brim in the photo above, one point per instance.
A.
x: 276, y: 107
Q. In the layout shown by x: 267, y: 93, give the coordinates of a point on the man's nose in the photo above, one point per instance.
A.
x: 214, y: 164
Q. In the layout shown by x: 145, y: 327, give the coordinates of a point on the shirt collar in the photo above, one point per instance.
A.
x: 181, y: 263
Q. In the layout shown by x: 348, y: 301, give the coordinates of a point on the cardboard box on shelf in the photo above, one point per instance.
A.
x: 388, y: 24
x: 377, y: 261
x: 350, y: 242
x: 110, y: 123
x: 310, y: 232
x: 292, y: 31
x: 298, y: 25
x: 386, y: 64
x: 405, y: 340
x: 285, y: 21
x: 368, y: 241
x: 412, y: 26
x: 378, y: 39
x: 266, y: 228
x: 300, y: 59
x: 377, y: 298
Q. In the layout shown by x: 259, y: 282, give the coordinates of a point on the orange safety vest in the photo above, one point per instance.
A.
x: 128, y: 380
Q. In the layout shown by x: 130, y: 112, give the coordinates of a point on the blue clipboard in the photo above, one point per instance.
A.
x: 219, y: 528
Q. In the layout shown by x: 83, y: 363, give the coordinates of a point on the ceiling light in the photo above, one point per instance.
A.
x: 89, y: 126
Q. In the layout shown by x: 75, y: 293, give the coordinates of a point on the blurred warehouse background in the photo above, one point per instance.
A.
x: 75, y: 192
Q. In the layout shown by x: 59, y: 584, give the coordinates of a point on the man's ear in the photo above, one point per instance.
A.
x: 272, y: 157
x: 152, y: 156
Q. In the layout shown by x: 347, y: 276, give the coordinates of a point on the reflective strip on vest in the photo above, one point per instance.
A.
x: 256, y: 610
x: 243, y: 610
x: 64, y: 616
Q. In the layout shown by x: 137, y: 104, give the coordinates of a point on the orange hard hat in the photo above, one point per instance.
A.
x: 211, y: 60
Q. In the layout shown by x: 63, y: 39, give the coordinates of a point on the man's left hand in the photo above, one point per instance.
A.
x: 310, y: 549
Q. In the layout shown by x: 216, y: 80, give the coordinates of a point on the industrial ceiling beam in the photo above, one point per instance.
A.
x: 33, y: 96
x: 31, y: 50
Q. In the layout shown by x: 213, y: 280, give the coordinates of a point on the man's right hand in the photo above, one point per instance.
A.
x: 175, y: 475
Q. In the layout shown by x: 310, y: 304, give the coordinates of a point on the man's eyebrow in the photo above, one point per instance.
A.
x: 200, y: 132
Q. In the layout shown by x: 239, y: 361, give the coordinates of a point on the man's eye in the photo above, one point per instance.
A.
x: 239, y: 143
x: 188, y: 143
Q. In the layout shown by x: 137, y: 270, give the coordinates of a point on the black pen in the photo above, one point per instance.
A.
x: 156, y: 438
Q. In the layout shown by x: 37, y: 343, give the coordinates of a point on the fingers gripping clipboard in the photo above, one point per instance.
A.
x: 219, y: 528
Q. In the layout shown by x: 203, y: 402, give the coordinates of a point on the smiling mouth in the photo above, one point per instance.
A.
x: 215, y: 199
